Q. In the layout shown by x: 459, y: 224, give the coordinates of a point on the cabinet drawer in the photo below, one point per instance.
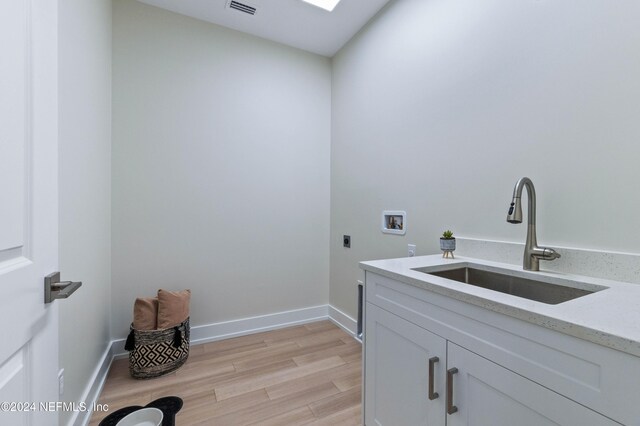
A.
x: 600, y: 378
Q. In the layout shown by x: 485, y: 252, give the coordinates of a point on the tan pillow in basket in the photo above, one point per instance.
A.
x: 145, y: 313
x: 173, y: 307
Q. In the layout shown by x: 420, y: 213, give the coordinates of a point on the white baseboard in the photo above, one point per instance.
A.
x: 93, y: 389
x: 343, y: 320
x: 225, y: 330
x: 218, y: 331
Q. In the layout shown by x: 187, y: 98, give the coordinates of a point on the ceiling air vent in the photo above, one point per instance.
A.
x: 242, y: 7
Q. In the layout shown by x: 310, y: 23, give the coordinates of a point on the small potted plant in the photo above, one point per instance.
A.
x: 447, y: 243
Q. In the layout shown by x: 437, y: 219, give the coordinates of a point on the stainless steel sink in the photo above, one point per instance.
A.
x: 539, y: 291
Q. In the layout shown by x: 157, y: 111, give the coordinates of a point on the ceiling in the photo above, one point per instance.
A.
x: 291, y: 22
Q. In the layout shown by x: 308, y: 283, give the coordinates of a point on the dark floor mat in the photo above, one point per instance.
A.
x: 169, y: 405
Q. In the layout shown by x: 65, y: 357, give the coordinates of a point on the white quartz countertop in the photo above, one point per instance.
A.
x: 610, y: 317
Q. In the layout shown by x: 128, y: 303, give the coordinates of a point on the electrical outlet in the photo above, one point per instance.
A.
x: 411, y: 250
x: 346, y: 241
x: 61, y: 382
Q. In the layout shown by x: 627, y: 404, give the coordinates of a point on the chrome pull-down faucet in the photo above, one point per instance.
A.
x: 532, y: 253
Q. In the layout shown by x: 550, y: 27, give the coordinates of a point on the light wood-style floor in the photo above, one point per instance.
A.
x: 303, y: 375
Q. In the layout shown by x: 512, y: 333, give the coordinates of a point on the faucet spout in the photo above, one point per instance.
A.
x: 532, y: 253
x: 515, y: 211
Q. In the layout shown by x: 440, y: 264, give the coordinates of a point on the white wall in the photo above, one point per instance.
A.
x: 440, y: 106
x: 220, y: 168
x: 85, y: 188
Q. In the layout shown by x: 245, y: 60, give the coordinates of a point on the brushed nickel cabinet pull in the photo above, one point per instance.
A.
x: 450, y: 407
x: 432, y: 395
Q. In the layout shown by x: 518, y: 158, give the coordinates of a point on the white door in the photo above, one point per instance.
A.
x: 486, y: 394
x: 28, y: 211
x: 404, y: 372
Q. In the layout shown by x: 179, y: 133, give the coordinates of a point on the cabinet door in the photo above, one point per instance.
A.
x: 487, y: 394
x: 397, y: 355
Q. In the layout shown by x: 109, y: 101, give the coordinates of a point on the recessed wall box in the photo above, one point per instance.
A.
x: 394, y: 222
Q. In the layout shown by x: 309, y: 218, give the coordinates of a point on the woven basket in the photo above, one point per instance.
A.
x: 154, y: 353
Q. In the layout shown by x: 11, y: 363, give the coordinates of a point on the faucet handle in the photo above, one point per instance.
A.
x: 544, y: 253
x: 550, y: 254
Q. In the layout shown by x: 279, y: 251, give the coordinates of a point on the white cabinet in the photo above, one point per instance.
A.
x: 493, y: 370
x: 487, y: 394
x: 402, y: 361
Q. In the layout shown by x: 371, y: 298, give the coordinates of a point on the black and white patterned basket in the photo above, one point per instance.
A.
x: 154, y: 353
